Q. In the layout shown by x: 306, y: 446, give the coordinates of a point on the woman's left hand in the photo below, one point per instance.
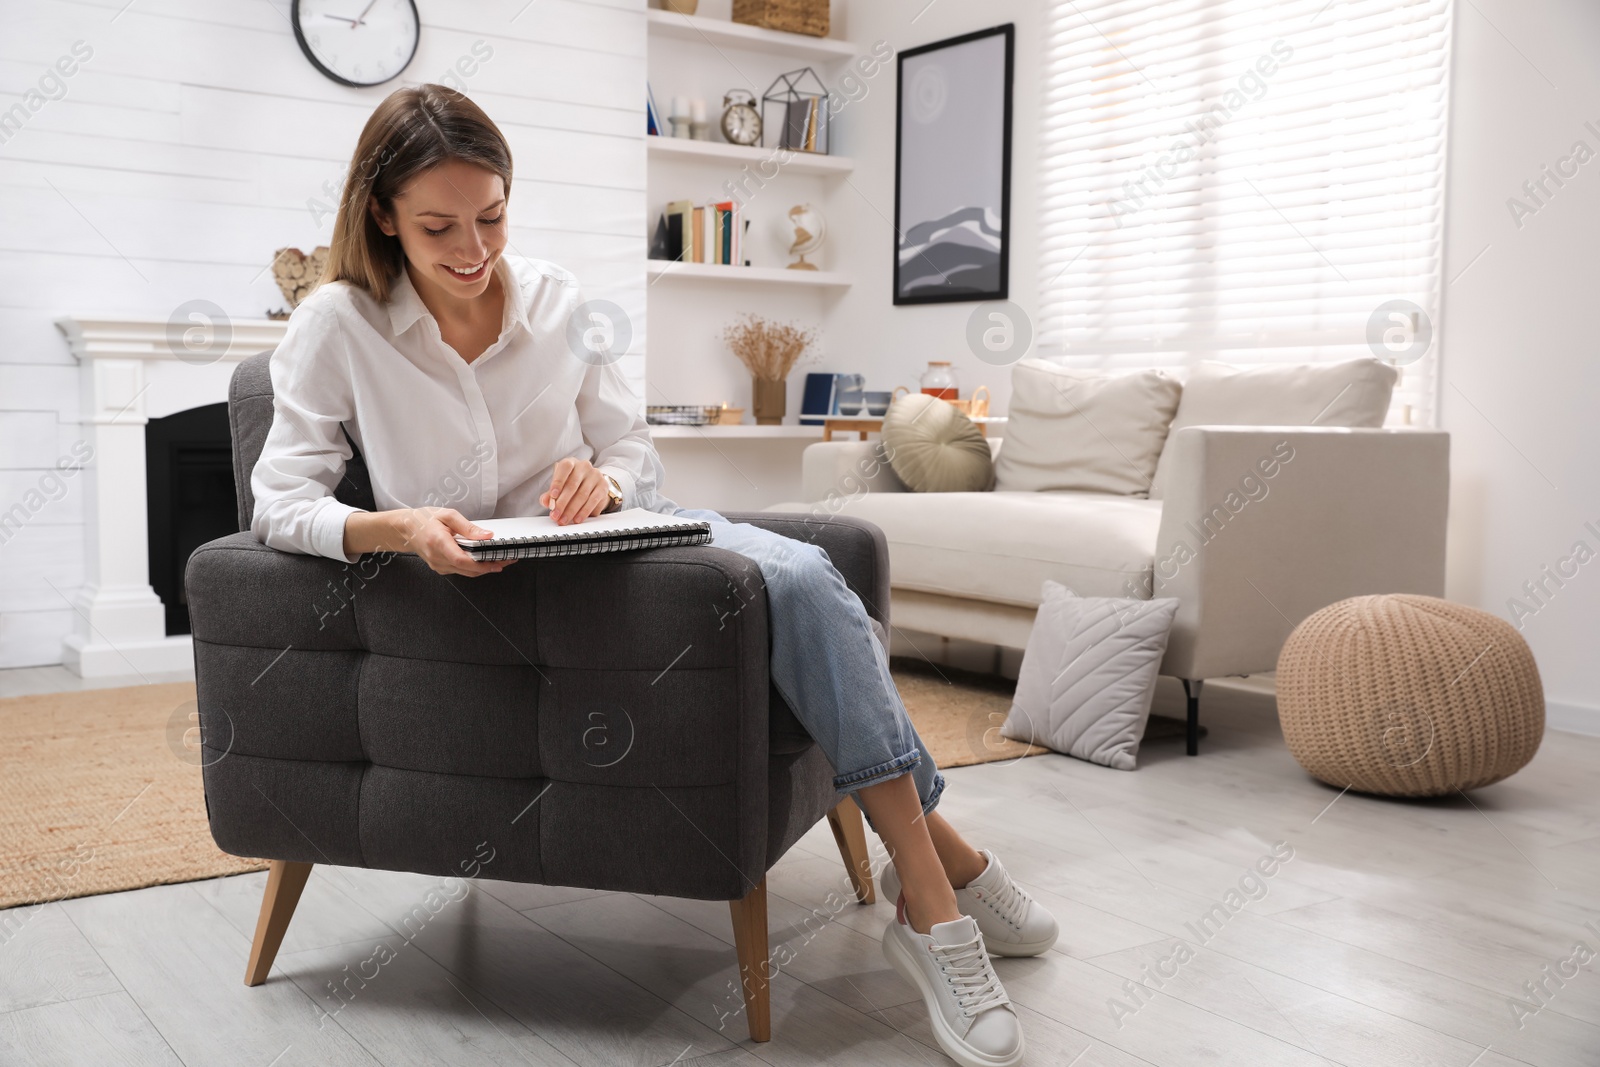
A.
x: 577, y: 491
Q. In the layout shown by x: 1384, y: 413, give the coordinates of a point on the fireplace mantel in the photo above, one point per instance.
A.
x: 132, y: 370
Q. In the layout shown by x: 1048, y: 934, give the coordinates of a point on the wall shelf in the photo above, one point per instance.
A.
x: 726, y: 34
x: 719, y: 433
x: 721, y: 152
x: 666, y: 269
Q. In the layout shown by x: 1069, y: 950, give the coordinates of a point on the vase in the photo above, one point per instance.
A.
x: 940, y: 381
x: 769, y: 400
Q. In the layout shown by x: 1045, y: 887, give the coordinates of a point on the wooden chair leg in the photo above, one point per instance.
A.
x: 850, y: 833
x: 285, y: 880
x: 750, y: 941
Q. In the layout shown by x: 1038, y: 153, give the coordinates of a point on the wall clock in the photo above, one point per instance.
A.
x: 357, y: 42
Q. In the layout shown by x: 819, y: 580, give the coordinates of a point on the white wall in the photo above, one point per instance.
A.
x: 184, y: 153
x: 1520, y: 377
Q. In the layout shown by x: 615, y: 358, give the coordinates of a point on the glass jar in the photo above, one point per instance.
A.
x: 940, y: 380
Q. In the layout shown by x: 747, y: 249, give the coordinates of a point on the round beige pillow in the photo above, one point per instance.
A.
x: 1409, y: 696
x: 934, y: 448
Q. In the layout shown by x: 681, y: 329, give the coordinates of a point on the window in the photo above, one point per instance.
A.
x: 1245, y: 180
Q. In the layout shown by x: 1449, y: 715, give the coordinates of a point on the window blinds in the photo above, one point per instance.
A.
x: 1244, y: 180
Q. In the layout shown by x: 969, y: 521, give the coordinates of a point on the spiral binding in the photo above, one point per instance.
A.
x: 580, y: 547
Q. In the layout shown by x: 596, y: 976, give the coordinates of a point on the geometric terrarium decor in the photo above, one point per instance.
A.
x: 794, y: 113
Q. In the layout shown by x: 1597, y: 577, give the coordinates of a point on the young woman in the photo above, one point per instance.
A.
x: 428, y: 345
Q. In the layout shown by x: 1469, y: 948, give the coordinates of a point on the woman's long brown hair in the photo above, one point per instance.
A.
x: 413, y: 130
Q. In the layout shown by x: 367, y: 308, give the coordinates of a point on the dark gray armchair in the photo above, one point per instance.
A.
x: 603, y: 722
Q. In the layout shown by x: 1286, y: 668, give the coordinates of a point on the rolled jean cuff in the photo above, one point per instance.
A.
x: 849, y: 783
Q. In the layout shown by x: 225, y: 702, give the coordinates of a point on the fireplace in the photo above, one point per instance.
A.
x: 190, y: 496
x: 141, y: 386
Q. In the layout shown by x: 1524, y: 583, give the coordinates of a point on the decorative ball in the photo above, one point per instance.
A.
x: 934, y: 448
x: 1411, y: 696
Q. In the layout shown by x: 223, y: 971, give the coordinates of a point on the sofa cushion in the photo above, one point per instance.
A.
x: 1078, y: 430
x: 1001, y: 546
x: 934, y: 448
x: 1353, y: 392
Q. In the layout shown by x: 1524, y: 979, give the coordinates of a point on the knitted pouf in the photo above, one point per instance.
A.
x: 1409, y: 696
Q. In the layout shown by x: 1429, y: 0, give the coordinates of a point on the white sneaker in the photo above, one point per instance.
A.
x: 1013, y: 923
x: 972, y: 1017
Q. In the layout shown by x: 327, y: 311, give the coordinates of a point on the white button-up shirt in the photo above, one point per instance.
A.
x: 435, y: 430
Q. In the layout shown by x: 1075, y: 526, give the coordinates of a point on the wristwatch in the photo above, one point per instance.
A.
x: 614, y: 491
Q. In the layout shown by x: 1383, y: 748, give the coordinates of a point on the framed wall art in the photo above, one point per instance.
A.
x: 952, y: 173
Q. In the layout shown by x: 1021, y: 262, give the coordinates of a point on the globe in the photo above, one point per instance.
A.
x: 804, y: 230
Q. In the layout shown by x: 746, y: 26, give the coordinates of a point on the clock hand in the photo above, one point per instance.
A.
x: 362, y: 18
x: 340, y: 18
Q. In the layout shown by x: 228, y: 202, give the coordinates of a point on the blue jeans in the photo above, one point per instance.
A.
x: 828, y: 664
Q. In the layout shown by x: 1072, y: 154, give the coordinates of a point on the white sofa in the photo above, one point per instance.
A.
x: 1353, y: 511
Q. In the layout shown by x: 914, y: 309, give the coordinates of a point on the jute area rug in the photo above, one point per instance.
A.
x: 100, y: 790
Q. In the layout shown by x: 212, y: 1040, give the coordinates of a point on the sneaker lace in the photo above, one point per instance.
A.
x: 1010, y: 900
x: 971, y: 975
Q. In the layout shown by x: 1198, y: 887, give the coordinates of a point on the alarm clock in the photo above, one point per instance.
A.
x: 357, y: 43
x: 741, y: 122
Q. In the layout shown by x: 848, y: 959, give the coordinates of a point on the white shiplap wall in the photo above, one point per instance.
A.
x: 185, y: 151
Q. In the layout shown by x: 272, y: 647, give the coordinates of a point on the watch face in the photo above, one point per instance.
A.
x: 357, y: 42
x: 741, y: 125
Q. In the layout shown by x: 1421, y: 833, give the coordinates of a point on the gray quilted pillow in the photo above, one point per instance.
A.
x: 1089, y: 673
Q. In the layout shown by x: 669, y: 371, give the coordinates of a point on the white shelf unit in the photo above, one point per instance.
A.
x: 721, y: 152
x: 723, y: 33
x: 687, y: 363
x: 664, y: 269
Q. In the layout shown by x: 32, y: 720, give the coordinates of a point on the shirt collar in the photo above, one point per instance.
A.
x: 406, y: 306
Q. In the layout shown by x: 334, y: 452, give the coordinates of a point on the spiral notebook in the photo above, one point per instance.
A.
x: 538, y: 536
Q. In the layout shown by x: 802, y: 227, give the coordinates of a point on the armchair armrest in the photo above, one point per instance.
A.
x: 857, y: 548
x: 308, y: 667
x: 1261, y: 526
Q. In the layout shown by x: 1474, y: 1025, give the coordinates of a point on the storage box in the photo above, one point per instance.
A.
x: 809, y: 17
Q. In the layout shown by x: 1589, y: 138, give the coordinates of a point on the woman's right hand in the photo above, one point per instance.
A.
x: 428, y: 532
x: 431, y: 534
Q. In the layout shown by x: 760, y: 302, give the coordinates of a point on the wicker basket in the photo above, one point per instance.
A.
x: 809, y: 17
x: 1409, y: 696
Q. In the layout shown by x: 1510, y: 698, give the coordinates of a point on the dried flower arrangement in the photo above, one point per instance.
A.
x: 769, y: 350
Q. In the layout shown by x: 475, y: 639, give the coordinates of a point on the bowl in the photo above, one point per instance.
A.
x: 878, y: 402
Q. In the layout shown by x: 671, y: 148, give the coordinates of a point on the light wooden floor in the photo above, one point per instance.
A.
x: 1396, y: 935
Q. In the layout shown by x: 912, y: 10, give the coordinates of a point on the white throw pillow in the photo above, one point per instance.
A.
x: 1097, y: 433
x: 1089, y: 673
x: 1353, y: 392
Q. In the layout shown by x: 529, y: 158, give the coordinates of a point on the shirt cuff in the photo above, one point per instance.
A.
x: 327, y: 530
x: 625, y: 483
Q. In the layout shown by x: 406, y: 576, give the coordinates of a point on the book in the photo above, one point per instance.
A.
x: 725, y: 227
x: 794, y: 125
x: 699, y: 253
x: 820, y: 398
x: 652, y: 116
x: 680, y: 237
x: 539, y: 537
x: 674, y: 249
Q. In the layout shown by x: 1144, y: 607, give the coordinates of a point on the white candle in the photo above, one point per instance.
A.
x: 680, y: 106
x: 697, y: 111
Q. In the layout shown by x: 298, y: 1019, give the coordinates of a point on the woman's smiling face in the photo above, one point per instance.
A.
x: 451, y: 222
